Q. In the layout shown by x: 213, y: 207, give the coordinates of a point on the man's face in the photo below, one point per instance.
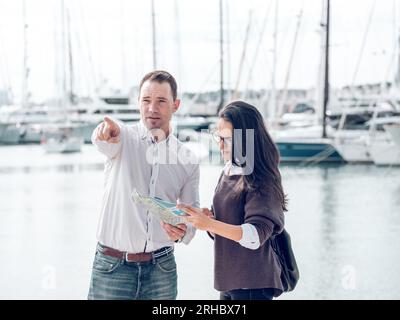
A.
x: 157, y: 105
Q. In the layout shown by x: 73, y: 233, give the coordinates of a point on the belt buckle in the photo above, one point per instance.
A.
x: 126, y: 257
x: 162, y: 252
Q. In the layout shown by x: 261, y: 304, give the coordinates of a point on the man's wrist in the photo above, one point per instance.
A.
x: 180, y: 239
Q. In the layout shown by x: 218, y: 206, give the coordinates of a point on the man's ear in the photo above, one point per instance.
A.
x: 177, y: 103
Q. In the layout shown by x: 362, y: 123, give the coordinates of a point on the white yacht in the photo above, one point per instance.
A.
x: 61, y: 138
x: 9, y: 133
x: 66, y: 145
x: 116, y: 107
x: 23, y: 124
x: 302, y: 115
x: 306, y: 144
x: 352, y: 138
x: 382, y: 147
x: 394, y: 131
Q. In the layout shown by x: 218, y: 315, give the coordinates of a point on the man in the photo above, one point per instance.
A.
x: 134, y: 257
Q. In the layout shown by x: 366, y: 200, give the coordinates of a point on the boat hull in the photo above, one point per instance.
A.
x: 308, y: 152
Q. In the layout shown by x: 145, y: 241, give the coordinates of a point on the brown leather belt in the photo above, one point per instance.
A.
x: 135, y: 257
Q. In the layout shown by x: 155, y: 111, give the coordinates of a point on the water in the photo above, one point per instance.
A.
x: 344, y: 222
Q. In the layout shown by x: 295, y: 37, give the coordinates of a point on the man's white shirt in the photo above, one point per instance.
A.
x: 165, y: 169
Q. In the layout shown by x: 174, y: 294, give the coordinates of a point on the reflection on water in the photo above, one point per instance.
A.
x: 344, y: 222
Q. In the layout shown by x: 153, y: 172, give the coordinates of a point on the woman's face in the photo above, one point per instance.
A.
x: 225, y: 134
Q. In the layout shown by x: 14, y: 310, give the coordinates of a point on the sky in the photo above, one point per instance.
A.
x: 111, y: 43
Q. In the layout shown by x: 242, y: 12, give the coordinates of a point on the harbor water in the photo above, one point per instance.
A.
x: 344, y: 221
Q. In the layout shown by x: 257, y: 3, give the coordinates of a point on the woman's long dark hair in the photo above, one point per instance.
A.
x: 265, y: 172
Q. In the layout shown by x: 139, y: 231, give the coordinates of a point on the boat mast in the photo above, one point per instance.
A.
x: 179, y: 57
x: 253, y: 60
x: 63, y: 57
x: 396, y: 31
x: 221, y: 56
x: 236, y: 94
x: 362, y: 49
x: 153, y: 24
x: 228, y: 51
x: 326, y: 75
x: 24, y: 100
x: 124, y: 65
x: 283, y: 98
x: 272, y: 104
x: 71, y: 95
x: 319, y: 91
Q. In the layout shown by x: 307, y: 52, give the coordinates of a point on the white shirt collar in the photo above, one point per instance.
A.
x: 232, y: 170
x: 145, y: 132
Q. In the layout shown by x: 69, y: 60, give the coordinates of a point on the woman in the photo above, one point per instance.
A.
x: 247, y: 209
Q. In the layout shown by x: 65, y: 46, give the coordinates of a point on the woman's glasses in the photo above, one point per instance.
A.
x: 218, y: 138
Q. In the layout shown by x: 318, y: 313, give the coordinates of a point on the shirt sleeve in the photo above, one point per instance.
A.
x: 110, y: 150
x: 264, y: 211
x: 250, y: 238
x: 190, y: 195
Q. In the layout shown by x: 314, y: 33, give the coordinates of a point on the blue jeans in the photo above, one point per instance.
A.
x: 115, y: 279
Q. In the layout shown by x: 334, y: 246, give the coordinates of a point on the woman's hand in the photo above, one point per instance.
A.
x: 200, y: 218
x: 203, y: 219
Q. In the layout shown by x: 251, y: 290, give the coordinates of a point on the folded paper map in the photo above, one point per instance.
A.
x: 165, y: 210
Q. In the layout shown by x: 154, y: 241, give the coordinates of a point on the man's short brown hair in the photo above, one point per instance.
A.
x: 161, y: 76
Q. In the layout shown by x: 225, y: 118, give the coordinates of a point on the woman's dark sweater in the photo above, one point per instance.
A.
x: 236, y: 267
